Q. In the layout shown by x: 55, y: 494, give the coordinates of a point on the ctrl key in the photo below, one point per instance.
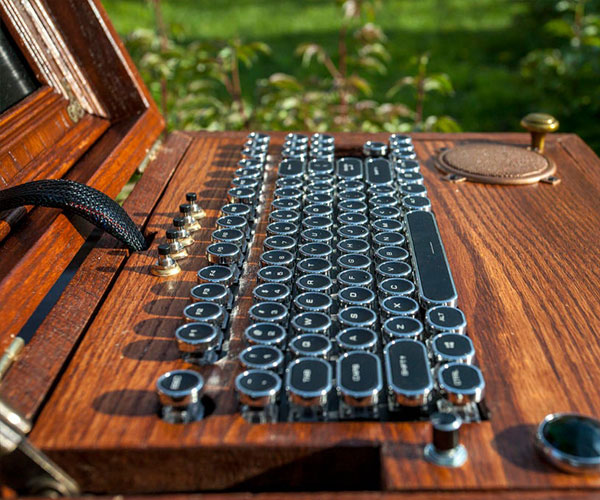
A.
x: 179, y: 395
x: 257, y: 392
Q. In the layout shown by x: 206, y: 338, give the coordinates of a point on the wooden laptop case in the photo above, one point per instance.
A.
x: 524, y: 260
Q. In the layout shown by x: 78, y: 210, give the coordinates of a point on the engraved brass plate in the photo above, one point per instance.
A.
x: 496, y: 163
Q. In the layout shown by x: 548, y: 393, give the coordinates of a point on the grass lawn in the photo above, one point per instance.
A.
x: 479, y: 43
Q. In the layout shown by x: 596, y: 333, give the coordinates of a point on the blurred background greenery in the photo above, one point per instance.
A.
x: 393, y: 65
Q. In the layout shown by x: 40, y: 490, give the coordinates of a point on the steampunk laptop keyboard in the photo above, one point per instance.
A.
x: 354, y: 311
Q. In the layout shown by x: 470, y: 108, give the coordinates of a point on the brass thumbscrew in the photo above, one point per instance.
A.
x: 539, y: 124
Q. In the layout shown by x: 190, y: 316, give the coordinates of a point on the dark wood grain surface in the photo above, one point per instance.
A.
x: 76, y: 54
x: 525, y: 264
x: 30, y: 380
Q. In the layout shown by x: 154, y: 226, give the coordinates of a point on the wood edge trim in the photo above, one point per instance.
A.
x: 159, y: 171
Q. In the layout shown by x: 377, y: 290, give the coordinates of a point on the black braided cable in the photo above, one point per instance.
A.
x: 91, y: 204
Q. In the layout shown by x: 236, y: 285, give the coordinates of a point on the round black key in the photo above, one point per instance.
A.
x: 359, y: 378
x: 284, y: 216
x: 353, y: 206
x: 354, y: 245
x: 233, y: 222
x: 320, y: 250
x: 261, y: 357
x: 354, y: 261
x: 288, y: 192
x: 388, y: 238
x: 254, y: 154
x: 322, y: 139
x: 374, y: 148
x: 250, y: 172
x: 442, y: 319
x: 313, y: 265
x: 265, y: 334
x: 272, y: 292
x: 257, y: 388
x: 313, y: 302
x: 395, y: 286
x: 314, y: 283
x: 357, y: 316
x: 322, y: 153
x: 216, y: 274
x: 317, y: 222
x: 397, y: 140
x: 393, y: 269
x: 319, y: 199
x: 451, y: 347
x: 351, y: 185
x: 318, y: 209
x: 286, y: 204
x: 386, y: 213
x: 282, y: 229
x: 204, y: 312
x: 198, y: 338
x: 295, y: 182
x: 237, y: 209
x: 410, y: 178
x: 246, y: 182
x: 257, y: 145
x: 244, y: 195
x: 234, y: 236
x: 387, y: 254
x: 320, y: 187
x: 308, y: 382
x: 311, y: 322
x: 379, y: 190
x: 320, y: 167
x: 402, y: 327
x: 316, y: 236
x: 402, y: 155
x: 408, y: 166
x: 394, y: 225
x: 179, y: 385
x: 275, y: 274
x: 259, y: 138
x: 355, y: 277
x: 353, y: 219
x: 224, y: 254
x: 413, y: 190
x: 383, y: 200
x: 351, y: 195
x: 416, y: 203
x: 272, y: 312
x: 296, y: 139
x: 327, y: 178
x: 279, y: 243
x: 399, y: 305
x: 244, y: 163
x: 357, y: 339
x: 356, y: 296
x: 277, y: 258
x: 461, y: 383
x: 310, y: 345
x: 353, y: 232
x: 211, y: 292
x: 294, y: 153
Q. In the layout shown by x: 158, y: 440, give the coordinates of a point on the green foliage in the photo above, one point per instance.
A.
x: 566, y: 74
x: 199, y: 84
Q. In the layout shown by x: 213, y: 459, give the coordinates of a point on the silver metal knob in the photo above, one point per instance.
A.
x: 445, y: 450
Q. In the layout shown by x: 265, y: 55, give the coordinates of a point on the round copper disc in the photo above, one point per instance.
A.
x: 496, y: 163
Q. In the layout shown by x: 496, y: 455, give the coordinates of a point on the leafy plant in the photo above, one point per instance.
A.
x: 566, y: 74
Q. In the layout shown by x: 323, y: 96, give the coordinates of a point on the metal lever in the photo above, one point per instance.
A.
x: 23, y: 467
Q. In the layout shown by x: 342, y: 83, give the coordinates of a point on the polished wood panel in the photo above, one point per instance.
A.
x: 522, y: 261
x: 74, y: 50
x: 29, y: 381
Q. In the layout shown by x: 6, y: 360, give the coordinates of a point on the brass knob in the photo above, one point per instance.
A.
x: 539, y: 124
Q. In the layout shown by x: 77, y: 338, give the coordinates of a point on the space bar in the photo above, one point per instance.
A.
x: 433, y: 276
